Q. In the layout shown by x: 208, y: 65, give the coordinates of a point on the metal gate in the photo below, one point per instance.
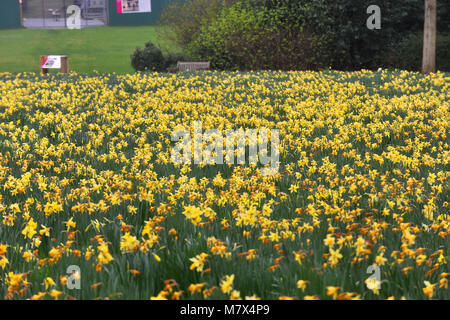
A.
x: 39, y: 14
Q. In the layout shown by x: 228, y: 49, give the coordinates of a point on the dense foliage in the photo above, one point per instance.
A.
x: 242, y: 38
x: 184, y: 18
x: 299, y: 34
x: 151, y: 58
x: 407, y: 53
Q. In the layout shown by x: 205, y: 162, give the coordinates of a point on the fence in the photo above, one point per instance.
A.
x: 40, y: 14
x: 53, y: 13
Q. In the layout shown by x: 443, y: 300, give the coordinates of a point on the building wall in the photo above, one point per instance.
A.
x: 10, y: 14
x: 129, y: 19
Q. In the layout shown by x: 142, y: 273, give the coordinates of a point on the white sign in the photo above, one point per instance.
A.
x: 134, y: 6
x: 52, y: 62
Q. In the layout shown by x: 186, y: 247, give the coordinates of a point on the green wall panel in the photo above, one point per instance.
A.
x: 127, y: 19
x: 10, y: 14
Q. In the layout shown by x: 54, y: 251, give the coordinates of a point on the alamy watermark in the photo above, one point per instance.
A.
x: 73, y: 17
x: 74, y: 277
x: 374, y: 281
x: 374, y: 20
x: 235, y: 141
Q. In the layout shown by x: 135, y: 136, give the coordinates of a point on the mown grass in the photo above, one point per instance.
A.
x: 102, y: 49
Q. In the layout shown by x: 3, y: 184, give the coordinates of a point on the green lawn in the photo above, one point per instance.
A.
x: 103, y: 49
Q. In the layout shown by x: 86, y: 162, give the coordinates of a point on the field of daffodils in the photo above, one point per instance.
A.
x: 92, y: 207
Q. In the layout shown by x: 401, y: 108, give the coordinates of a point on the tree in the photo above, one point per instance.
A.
x: 429, y: 38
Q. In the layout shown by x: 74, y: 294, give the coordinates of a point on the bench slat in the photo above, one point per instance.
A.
x: 193, y: 66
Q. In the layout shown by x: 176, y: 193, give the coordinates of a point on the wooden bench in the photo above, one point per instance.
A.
x: 193, y: 66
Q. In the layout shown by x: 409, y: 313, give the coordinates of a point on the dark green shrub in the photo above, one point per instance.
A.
x: 183, y: 19
x: 172, y: 59
x: 149, y: 58
x: 341, y: 25
x: 242, y: 38
x: 407, y: 54
x: 297, y: 34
